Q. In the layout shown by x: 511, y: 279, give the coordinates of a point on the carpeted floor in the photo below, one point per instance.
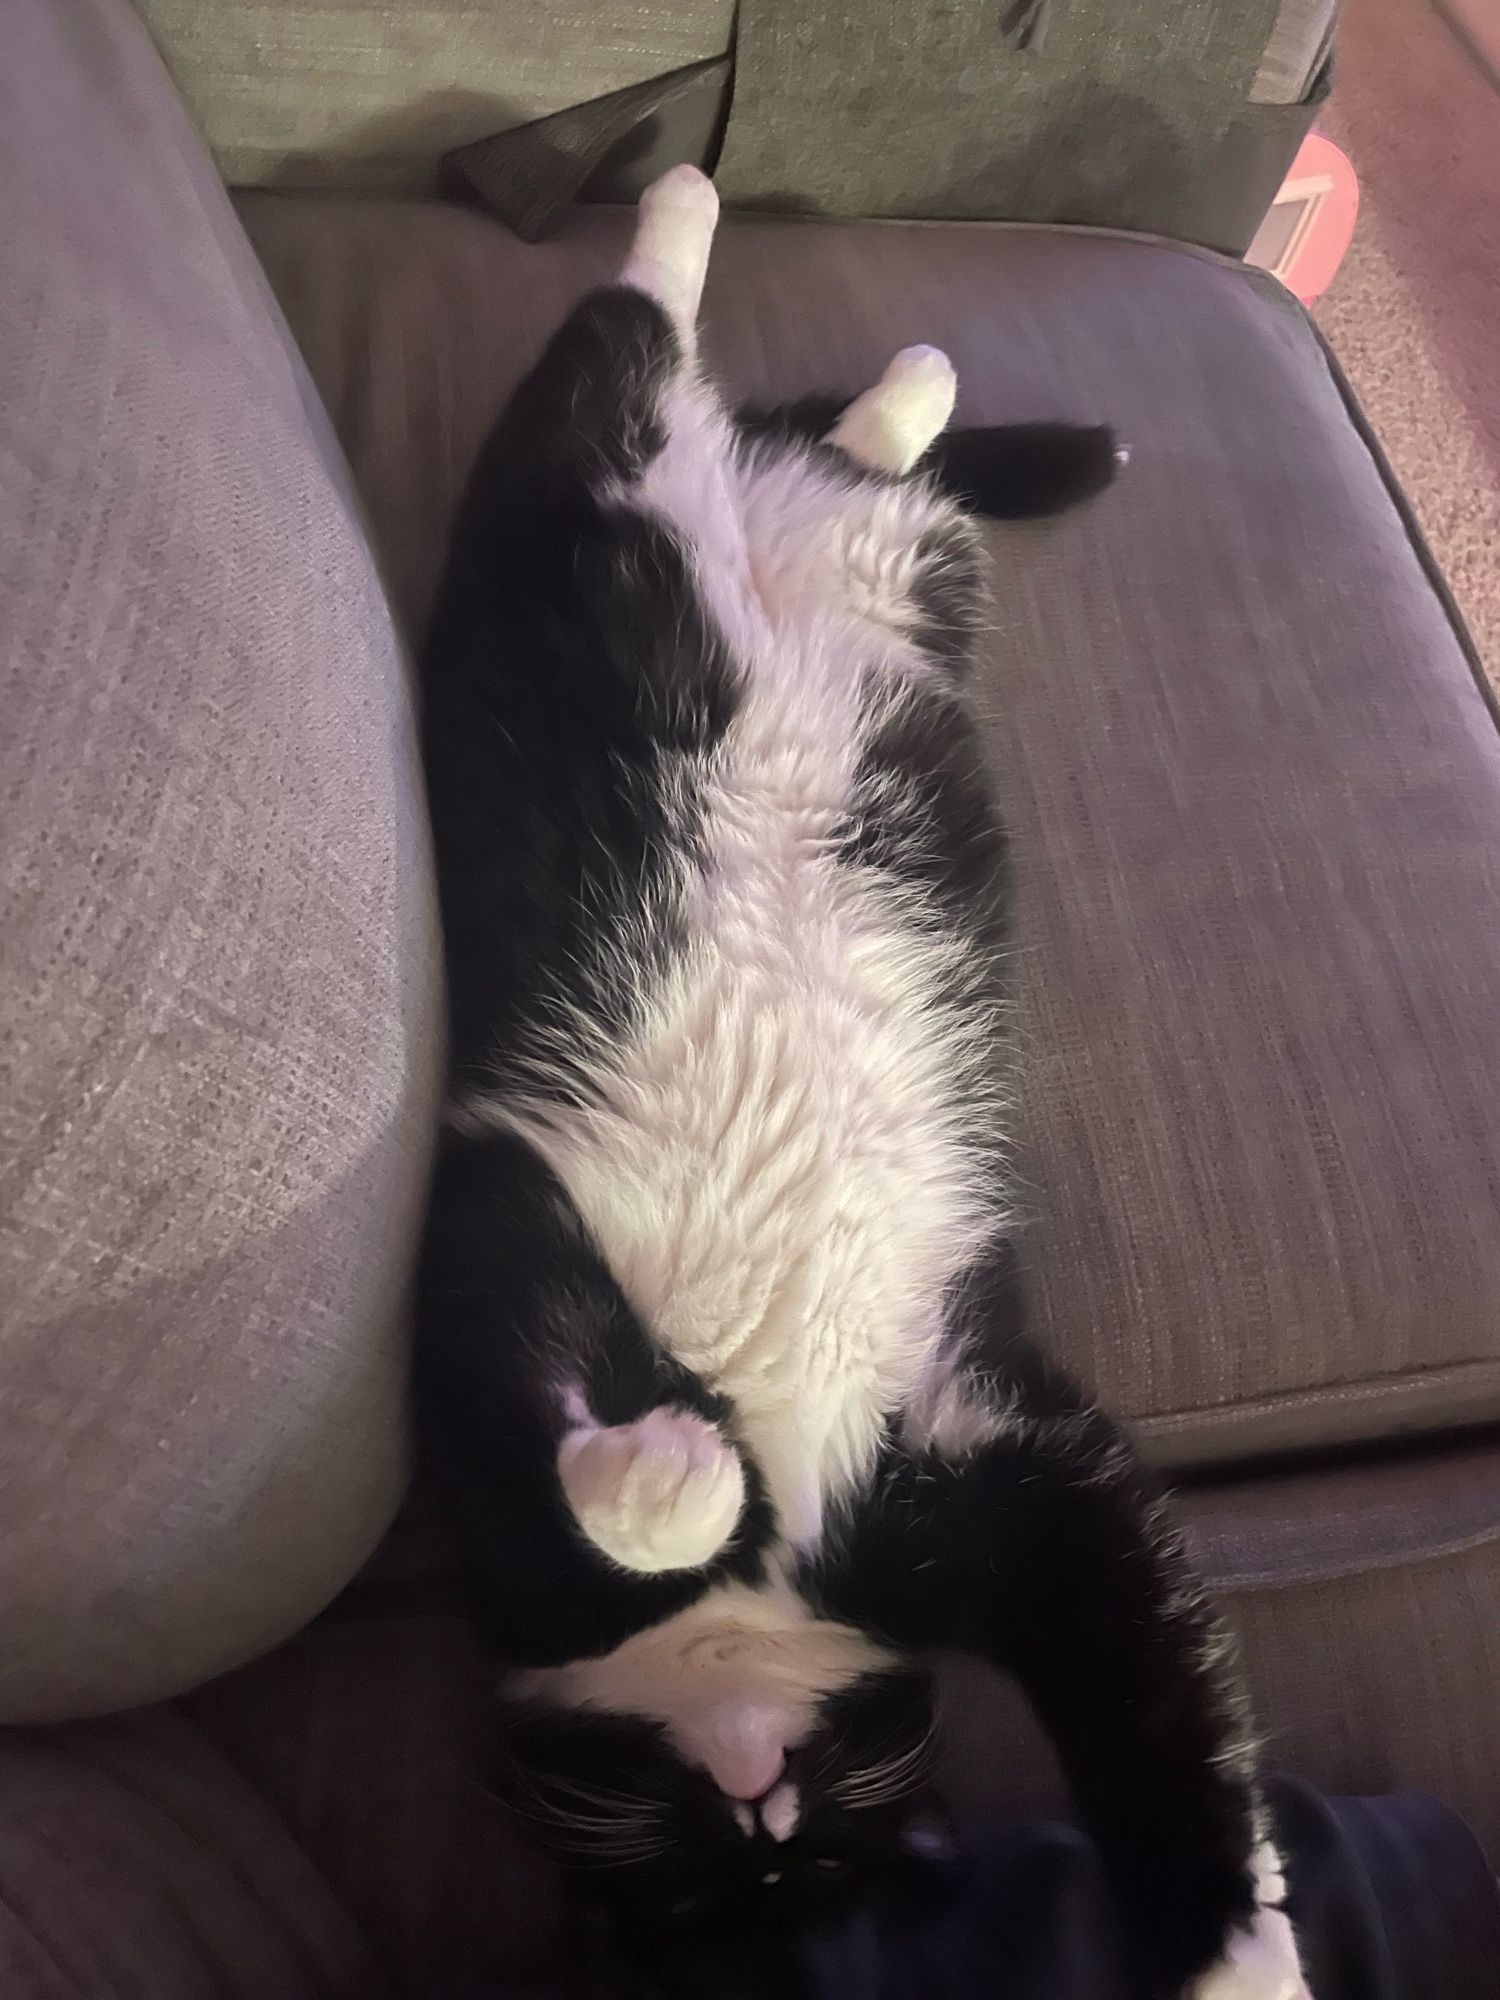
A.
x: 1414, y: 313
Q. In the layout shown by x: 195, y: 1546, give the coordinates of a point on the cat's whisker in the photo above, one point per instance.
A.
x: 889, y: 1779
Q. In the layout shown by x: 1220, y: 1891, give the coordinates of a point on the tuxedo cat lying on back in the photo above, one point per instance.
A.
x: 719, y: 1350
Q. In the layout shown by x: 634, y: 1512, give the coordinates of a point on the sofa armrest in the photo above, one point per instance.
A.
x: 220, y: 1025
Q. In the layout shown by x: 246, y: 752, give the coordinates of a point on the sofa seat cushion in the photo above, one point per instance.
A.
x: 316, y: 1824
x: 1253, y: 783
x: 218, y: 1003
x: 1367, y: 1601
x: 138, y: 1861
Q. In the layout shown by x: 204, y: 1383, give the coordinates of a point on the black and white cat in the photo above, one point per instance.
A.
x: 719, y: 1352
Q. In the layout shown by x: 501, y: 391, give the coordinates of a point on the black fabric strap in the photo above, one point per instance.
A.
x: 610, y: 147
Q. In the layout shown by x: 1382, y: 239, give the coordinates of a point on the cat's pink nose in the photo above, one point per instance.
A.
x: 753, y: 1779
x: 747, y: 1766
x: 744, y: 1749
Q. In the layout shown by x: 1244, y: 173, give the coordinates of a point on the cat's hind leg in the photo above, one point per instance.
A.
x: 893, y: 426
x: 1013, y: 1520
x: 674, y: 233
x: 663, y: 1493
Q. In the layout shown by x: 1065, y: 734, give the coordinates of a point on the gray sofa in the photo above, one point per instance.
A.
x: 1253, y: 775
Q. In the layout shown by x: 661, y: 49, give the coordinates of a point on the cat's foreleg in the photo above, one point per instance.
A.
x: 893, y: 426
x: 590, y: 1479
x: 593, y: 411
x: 668, y: 261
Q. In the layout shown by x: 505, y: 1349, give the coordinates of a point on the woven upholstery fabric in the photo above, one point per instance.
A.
x: 1373, y: 1672
x: 137, y: 1862
x: 1253, y: 785
x: 363, y: 95
x: 1132, y: 114
x: 1178, y: 116
x: 218, y: 1022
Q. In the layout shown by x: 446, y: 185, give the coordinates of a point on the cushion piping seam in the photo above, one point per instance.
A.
x: 1371, y: 1389
x: 1228, y: 1579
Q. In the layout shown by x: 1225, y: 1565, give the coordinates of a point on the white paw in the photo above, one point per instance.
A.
x: 683, y: 202
x: 674, y: 232
x: 922, y: 384
x: 1259, y: 1964
x: 890, y: 427
x: 665, y: 1493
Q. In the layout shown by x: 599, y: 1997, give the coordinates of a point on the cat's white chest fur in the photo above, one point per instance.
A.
x: 773, y: 1161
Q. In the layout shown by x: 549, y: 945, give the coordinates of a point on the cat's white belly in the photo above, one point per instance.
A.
x: 774, y: 1160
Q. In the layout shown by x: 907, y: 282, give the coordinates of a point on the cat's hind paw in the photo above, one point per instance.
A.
x: 1258, y: 1964
x: 665, y: 1493
x: 891, y: 427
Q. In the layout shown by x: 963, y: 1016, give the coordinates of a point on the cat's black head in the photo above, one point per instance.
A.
x: 654, y: 1837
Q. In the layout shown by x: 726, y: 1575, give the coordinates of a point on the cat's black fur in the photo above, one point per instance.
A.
x: 570, y: 654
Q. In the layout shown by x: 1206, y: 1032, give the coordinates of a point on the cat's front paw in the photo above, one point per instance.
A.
x: 1259, y: 1964
x: 662, y: 1494
x: 674, y: 232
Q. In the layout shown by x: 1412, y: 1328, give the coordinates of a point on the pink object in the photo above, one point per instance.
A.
x: 1308, y: 226
x: 745, y: 1758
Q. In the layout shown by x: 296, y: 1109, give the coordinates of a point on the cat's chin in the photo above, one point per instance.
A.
x: 656, y: 1833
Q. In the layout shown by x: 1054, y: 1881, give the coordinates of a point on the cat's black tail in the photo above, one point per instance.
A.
x: 1019, y: 472
x: 1005, y: 472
